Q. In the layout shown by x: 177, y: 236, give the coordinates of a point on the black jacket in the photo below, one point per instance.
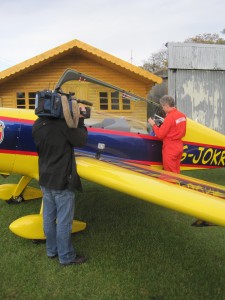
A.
x: 54, y: 141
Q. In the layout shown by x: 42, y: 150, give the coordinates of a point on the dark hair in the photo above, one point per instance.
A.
x: 167, y: 100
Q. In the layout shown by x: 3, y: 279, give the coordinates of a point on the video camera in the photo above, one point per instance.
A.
x: 50, y: 104
x: 71, y: 97
x: 158, y: 120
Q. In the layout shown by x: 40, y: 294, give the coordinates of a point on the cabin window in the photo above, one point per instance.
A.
x: 126, y: 103
x: 20, y: 100
x: 103, y: 101
x: 25, y: 100
x: 113, y: 101
x: 31, y: 100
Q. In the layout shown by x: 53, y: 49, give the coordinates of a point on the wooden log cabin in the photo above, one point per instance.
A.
x: 19, y: 84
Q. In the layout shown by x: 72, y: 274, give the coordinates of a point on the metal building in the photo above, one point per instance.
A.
x: 196, y: 79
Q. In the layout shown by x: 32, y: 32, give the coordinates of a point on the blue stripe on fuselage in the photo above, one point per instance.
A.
x: 18, y: 138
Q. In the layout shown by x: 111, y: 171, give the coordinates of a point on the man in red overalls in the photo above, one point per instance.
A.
x: 171, y: 133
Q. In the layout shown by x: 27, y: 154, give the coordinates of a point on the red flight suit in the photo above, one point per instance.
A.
x: 171, y: 132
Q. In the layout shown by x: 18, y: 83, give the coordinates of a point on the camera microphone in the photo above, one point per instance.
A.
x: 85, y: 102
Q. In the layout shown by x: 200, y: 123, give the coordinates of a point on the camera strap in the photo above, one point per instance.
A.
x: 71, y: 120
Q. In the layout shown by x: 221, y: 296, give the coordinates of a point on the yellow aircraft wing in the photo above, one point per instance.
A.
x: 187, y: 195
x: 195, y: 202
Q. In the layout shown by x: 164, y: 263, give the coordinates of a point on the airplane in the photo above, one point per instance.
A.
x: 120, y: 154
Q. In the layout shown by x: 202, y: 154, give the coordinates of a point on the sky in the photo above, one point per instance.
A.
x: 131, y: 30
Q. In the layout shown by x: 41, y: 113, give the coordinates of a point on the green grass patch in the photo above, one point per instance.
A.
x: 136, y: 250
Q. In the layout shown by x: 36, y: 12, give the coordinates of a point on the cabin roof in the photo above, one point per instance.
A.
x: 83, y: 49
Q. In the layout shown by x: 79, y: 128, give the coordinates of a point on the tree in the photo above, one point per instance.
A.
x: 207, y: 38
x: 157, y: 61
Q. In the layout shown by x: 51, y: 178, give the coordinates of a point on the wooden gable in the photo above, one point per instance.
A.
x: 43, y: 72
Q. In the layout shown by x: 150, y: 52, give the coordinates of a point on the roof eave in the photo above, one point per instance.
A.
x: 85, y: 49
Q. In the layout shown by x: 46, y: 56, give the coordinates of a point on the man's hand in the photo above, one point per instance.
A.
x: 151, y: 122
x: 82, y: 109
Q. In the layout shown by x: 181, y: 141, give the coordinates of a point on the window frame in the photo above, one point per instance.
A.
x: 110, y: 103
x: 27, y: 99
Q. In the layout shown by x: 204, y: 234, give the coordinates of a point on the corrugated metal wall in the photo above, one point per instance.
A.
x: 196, y: 79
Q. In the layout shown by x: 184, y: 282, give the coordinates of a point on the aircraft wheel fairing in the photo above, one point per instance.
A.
x: 31, y: 227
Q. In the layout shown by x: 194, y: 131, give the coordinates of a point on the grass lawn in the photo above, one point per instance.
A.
x: 136, y: 250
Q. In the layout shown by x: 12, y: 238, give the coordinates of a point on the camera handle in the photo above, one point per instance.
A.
x: 71, y: 121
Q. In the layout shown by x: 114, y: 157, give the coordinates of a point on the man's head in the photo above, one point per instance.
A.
x: 167, y: 103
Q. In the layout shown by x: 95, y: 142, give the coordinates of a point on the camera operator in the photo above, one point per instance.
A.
x: 58, y: 179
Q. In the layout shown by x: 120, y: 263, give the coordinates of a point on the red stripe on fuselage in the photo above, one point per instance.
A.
x: 16, y: 120
x: 18, y: 152
x: 145, y: 136
x: 200, y: 166
x: 122, y: 133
